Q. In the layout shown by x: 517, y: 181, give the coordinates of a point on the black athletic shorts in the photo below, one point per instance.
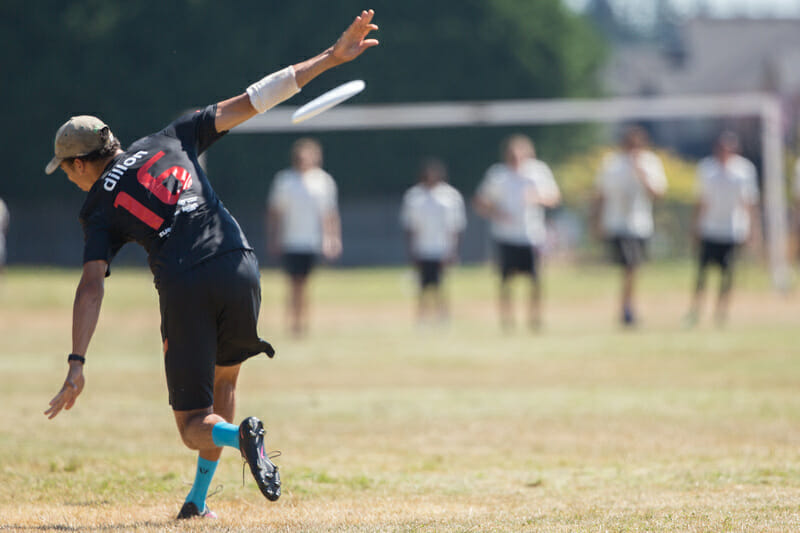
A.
x: 430, y: 272
x: 721, y: 253
x: 299, y: 264
x: 627, y: 251
x: 516, y: 258
x: 209, y: 316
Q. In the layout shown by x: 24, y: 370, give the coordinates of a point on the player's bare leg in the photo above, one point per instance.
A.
x: 697, y: 298
x: 422, y: 305
x: 723, y: 299
x: 442, y: 305
x: 506, y: 310
x: 628, y: 283
x: 225, y: 378
x: 535, y: 306
x: 208, y: 457
x: 298, y: 305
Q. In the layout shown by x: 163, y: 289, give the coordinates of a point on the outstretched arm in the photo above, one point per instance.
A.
x: 332, y: 235
x: 85, y: 314
x: 351, y: 44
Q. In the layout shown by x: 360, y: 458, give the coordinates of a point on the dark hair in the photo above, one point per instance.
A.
x: 729, y: 140
x: 635, y: 135
x: 307, y: 143
x: 110, y: 146
x: 433, y: 164
x: 517, y: 139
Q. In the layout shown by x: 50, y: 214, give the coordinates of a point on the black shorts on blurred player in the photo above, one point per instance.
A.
x: 430, y: 273
x: 516, y: 258
x: 720, y: 253
x: 299, y: 264
x: 209, y: 316
x: 627, y: 251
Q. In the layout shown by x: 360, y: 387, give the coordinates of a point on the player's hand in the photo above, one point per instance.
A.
x: 72, y: 388
x: 331, y: 249
x: 353, y: 41
x: 532, y: 196
x: 502, y: 216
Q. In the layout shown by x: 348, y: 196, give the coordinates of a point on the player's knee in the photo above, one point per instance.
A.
x: 188, y: 441
x: 188, y: 427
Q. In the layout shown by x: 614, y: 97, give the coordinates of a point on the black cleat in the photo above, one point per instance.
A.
x: 251, y: 445
x: 189, y: 510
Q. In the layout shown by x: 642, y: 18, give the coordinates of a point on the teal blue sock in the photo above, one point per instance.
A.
x: 225, y: 434
x: 202, y: 480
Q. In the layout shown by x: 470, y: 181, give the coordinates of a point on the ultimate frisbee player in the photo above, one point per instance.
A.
x: 303, y: 224
x: 513, y: 196
x: 629, y: 180
x: 724, y: 219
x: 433, y: 217
x: 156, y: 194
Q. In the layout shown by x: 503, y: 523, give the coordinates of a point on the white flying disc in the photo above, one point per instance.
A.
x: 327, y: 100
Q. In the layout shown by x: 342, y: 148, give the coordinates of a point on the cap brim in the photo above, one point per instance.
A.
x: 53, y: 165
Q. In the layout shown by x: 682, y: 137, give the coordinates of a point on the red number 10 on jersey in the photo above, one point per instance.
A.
x: 156, y: 186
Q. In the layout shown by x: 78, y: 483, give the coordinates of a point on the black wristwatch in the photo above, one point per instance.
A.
x: 76, y: 357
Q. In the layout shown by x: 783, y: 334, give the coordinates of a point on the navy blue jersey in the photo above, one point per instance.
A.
x: 157, y: 194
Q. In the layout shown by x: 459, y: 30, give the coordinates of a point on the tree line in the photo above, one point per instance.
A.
x: 140, y: 64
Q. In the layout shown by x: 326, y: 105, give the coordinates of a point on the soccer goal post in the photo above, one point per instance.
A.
x: 562, y: 111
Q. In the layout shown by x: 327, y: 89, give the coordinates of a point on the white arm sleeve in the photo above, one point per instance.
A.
x: 273, y: 89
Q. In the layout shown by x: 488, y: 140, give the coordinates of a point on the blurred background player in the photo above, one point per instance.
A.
x: 206, y: 273
x: 628, y: 182
x: 303, y: 223
x: 725, y: 217
x: 433, y: 217
x: 513, y: 196
x: 4, y: 220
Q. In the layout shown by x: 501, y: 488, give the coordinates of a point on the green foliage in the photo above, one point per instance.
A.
x: 139, y: 64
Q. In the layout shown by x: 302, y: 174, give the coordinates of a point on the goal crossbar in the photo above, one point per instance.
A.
x: 765, y: 106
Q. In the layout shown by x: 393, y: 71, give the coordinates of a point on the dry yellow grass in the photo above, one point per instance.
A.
x: 385, y: 426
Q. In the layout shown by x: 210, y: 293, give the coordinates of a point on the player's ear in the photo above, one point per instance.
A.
x: 79, y: 165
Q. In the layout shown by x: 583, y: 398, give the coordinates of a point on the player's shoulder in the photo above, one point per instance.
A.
x: 650, y: 157
x: 611, y: 159
x: 412, y: 193
x: 497, y: 171
x: 536, y: 168
x: 537, y: 163
x: 707, y: 165
x: 326, y: 176
x: 315, y: 177
x: 746, y: 166
x: 446, y: 192
x: 496, y: 175
x: 285, y: 176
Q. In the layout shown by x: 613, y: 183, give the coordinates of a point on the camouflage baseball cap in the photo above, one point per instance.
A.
x: 77, y: 137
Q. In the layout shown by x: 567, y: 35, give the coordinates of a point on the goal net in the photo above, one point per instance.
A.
x: 765, y: 107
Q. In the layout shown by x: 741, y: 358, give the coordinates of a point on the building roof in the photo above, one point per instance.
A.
x: 712, y: 56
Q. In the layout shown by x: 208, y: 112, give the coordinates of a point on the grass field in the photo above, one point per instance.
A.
x: 385, y: 426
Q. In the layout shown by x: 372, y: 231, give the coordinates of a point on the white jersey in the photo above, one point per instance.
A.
x: 627, y: 206
x: 726, y: 192
x: 523, y: 221
x: 303, y: 201
x: 434, y: 216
